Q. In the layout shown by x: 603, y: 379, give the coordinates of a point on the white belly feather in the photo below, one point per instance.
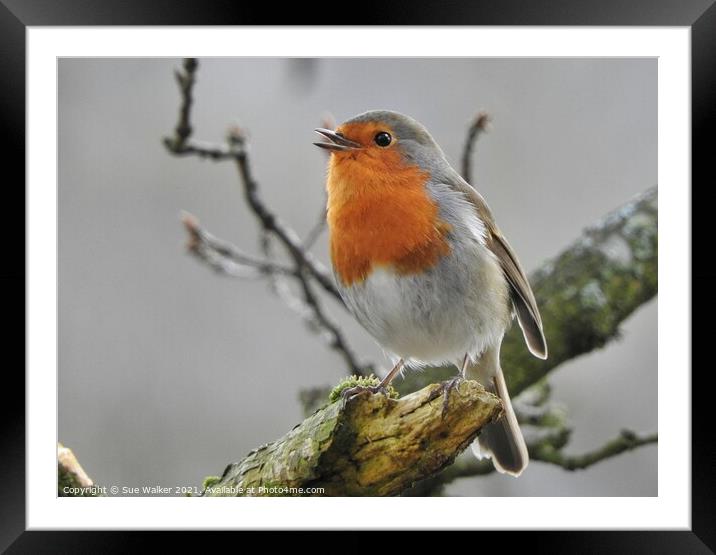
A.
x: 460, y: 306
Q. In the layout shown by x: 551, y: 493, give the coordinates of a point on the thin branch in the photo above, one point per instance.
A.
x: 226, y: 259
x: 201, y: 149
x: 478, y: 126
x: 181, y: 143
x: 626, y: 441
x: 186, y: 79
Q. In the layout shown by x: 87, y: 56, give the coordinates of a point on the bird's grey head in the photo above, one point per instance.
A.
x: 404, y: 128
x: 377, y: 130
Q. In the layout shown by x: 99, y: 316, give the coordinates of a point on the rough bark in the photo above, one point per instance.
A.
x: 369, y: 445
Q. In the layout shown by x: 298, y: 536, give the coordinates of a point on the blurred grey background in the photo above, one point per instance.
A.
x: 167, y: 372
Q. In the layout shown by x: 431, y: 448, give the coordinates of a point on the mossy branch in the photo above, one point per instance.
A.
x: 368, y: 445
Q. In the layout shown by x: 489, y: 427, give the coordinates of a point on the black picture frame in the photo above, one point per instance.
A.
x: 17, y: 15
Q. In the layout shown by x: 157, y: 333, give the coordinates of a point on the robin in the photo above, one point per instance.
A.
x: 420, y: 262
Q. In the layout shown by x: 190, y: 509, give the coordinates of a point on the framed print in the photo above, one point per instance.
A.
x: 388, y: 269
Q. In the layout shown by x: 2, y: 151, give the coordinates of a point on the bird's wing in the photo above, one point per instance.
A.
x: 523, y: 299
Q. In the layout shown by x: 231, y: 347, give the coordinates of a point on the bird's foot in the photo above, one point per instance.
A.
x: 448, y: 386
x: 351, y: 392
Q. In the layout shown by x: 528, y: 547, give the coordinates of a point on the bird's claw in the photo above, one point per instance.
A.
x: 351, y: 392
x: 448, y: 386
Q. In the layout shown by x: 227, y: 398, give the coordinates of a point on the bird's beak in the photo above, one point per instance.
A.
x: 337, y: 141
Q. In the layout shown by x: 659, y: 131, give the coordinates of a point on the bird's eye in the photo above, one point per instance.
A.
x: 383, y: 139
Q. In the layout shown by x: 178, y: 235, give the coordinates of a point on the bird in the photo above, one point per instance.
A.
x: 420, y: 262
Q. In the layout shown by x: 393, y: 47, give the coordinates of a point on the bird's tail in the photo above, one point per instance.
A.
x: 502, y: 440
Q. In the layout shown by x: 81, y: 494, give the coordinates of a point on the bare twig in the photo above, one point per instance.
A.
x: 181, y: 144
x: 477, y: 127
x: 226, y: 258
x: 185, y: 79
x: 200, y: 149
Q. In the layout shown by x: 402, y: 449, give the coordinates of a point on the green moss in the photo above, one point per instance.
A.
x: 358, y: 381
x: 210, y: 481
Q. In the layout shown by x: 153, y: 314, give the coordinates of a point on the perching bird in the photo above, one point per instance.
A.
x: 420, y: 262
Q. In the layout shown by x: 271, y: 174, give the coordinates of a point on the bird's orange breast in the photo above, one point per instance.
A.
x: 380, y: 215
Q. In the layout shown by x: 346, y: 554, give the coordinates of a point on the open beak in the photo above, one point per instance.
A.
x: 337, y: 141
